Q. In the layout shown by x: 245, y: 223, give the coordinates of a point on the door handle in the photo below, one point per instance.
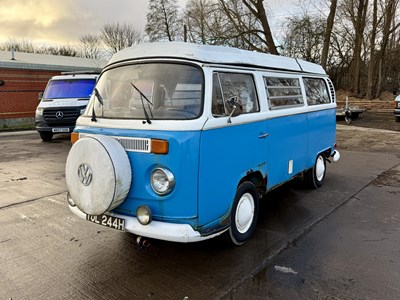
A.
x: 263, y: 135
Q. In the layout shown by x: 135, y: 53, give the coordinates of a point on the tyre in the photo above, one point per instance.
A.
x: 46, y: 136
x: 397, y: 118
x: 98, y: 174
x: 244, y: 214
x: 316, y: 175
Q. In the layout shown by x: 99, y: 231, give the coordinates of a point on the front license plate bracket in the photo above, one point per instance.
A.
x: 60, y: 130
x: 107, y: 221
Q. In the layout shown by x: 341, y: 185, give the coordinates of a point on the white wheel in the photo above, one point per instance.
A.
x: 244, y: 214
x: 98, y: 174
x: 320, y: 168
x: 316, y: 175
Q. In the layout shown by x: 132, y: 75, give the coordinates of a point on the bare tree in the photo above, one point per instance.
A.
x: 239, y: 17
x: 198, y: 17
x: 372, y: 51
x: 304, y: 37
x: 357, y: 13
x: 119, y: 36
x: 90, y: 46
x: 389, y: 27
x: 163, y: 21
x: 328, y: 32
x: 20, y: 46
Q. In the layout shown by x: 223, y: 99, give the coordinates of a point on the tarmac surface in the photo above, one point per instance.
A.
x: 338, y: 242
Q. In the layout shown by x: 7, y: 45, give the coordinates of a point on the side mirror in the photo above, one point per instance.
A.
x: 40, y: 96
x: 235, y: 106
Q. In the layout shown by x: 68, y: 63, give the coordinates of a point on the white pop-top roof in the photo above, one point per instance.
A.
x: 215, y: 55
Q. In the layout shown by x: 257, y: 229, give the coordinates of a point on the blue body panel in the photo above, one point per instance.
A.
x: 226, y: 155
x: 180, y: 206
x: 208, y: 165
x: 322, y: 133
x: 288, y: 138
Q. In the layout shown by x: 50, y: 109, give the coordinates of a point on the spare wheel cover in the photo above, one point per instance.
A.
x: 98, y: 174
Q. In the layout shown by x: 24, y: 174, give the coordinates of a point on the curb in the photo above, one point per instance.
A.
x: 17, y: 133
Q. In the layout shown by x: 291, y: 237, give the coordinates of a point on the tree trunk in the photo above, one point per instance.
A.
x: 262, y: 16
x: 372, y: 54
x: 359, y: 26
x: 327, y: 38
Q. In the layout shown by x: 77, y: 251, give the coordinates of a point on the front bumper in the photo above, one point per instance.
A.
x: 397, y: 112
x: 181, y: 233
x: 336, y: 156
x: 42, y: 126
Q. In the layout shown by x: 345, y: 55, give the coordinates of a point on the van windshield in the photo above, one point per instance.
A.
x: 69, y: 88
x: 159, y: 91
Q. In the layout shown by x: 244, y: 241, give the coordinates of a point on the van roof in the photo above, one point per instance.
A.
x: 74, y: 76
x: 214, y: 55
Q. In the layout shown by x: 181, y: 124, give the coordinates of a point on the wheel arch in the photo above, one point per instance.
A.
x: 257, y: 178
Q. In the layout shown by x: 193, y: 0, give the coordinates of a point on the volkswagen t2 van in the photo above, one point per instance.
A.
x: 180, y: 141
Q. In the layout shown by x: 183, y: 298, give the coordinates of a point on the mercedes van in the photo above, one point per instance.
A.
x: 63, y: 101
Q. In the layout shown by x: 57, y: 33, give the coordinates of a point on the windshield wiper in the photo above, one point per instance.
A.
x: 143, y: 96
x: 100, y: 99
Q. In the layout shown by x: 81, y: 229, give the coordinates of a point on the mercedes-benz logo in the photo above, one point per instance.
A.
x: 85, y: 174
x: 59, y: 115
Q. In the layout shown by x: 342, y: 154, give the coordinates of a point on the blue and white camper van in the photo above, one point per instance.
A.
x: 180, y: 141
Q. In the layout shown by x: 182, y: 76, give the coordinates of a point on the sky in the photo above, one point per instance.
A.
x: 54, y: 22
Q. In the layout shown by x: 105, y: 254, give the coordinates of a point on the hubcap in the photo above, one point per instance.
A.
x: 244, y: 213
x: 320, y: 168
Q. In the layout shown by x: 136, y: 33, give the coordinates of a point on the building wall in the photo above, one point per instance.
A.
x: 19, y: 94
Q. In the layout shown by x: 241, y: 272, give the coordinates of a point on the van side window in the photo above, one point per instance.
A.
x: 233, y: 85
x: 316, y: 91
x: 283, y: 91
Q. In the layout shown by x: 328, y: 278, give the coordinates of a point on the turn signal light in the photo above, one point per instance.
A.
x: 74, y: 137
x: 159, y: 146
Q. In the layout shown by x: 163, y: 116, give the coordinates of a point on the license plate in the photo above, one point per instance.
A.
x: 108, y: 221
x: 60, y: 129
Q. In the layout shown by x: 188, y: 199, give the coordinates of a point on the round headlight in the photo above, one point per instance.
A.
x: 162, y: 181
x: 143, y: 215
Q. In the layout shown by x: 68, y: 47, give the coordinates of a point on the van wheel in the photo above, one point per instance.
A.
x: 316, y: 175
x: 244, y: 214
x: 46, y: 136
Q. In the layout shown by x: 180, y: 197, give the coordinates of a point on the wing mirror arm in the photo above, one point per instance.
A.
x: 231, y: 114
x: 236, y: 107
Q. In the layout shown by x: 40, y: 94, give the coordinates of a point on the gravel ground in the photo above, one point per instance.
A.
x: 372, y: 132
x: 374, y: 120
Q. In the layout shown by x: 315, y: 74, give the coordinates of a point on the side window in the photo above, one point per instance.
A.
x: 283, y: 92
x: 316, y: 91
x: 228, y: 86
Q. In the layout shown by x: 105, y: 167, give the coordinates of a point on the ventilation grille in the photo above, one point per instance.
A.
x: 332, y: 90
x: 135, y: 144
x: 130, y: 144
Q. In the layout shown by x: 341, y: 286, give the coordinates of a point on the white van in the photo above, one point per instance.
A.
x: 180, y: 141
x: 64, y: 100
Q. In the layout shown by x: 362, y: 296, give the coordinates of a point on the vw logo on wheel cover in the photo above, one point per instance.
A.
x: 85, y: 174
x: 59, y: 115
